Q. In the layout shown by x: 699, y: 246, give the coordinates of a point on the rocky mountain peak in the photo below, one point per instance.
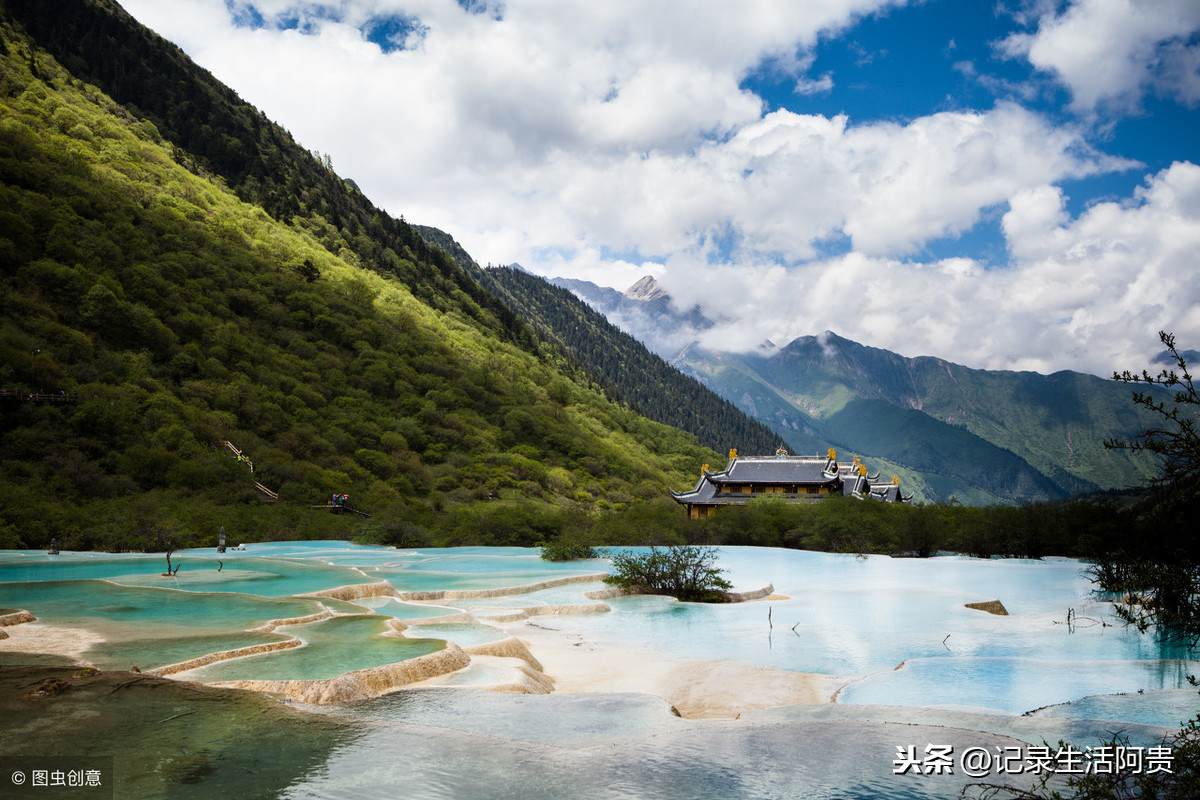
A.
x: 646, y: 289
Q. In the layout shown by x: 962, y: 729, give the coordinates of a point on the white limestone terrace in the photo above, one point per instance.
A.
x: 819, y: 628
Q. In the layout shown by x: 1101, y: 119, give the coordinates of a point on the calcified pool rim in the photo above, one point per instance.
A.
x: 515, y: 610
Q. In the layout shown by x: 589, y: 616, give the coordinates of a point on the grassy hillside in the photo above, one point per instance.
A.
x: 168, y: 315
x: 1055, y: 422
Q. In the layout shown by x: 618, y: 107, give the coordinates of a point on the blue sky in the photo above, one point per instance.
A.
x: 1007, y: 185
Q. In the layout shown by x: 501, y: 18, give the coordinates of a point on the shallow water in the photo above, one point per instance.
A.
x: 113, y: 609
x: 843, y: 615
x: 331, y: 647
x: 463, y: 634
x: 896, y: 629
x: 199, y: 570
x: 392, y: 607
x: 156, y: 738
x: 829, y: 759
x: 153, y: 653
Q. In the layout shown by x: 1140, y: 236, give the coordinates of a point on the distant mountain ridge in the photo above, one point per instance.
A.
x: 980, y: 436
x: 624, y: 367
x: 645, y: 311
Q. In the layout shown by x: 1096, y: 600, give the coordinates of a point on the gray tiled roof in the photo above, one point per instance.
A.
x: 810, y: 470
x: 775, y: 470
x: 705, y: 491
x: 886, y: 491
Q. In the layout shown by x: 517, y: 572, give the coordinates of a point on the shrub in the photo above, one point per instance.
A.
x: 562, y: 550
x: 685, y: 572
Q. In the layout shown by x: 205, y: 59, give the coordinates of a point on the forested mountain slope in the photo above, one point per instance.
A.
x: 208, y: 127
x: 978, y: 435
x: 153, y: 315
x: 617, y: 361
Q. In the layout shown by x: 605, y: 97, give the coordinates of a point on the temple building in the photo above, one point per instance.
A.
x: 791, y: 478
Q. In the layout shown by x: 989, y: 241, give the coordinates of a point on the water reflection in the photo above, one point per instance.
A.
x: 897, y: 630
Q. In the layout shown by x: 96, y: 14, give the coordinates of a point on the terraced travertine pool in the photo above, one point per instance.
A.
x: 896, y: 630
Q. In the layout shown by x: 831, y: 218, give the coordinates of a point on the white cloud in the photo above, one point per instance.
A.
x: 1112, y: 51
x: 1088, y: 293
x: 821, y: 85
x: 789, y: 182
x: 611, y: 140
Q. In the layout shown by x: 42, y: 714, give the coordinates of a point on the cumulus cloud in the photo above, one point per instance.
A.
x: 789, y: 182
x: 1112, y: 51
x: 1086, y: 293
x: 611, y: 140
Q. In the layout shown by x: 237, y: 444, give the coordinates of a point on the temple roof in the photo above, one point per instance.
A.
x: 851, y: 478
x: 705, y: 491
x: 787, y: 469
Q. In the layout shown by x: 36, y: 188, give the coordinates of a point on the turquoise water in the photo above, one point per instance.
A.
x: 199, y: 570
x: 843, y: 615
x: 896, y: 629
x: 463, y: 634
x: 856, y: 617
x: 160, y: 652
x: 111, y: 607
x: 1014, y: 684
x: 331, y: 647
x: 392, y: 607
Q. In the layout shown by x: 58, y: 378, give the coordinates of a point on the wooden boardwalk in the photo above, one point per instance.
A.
x: 36, y: 397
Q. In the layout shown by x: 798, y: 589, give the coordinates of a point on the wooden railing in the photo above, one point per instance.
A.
x: 273, y: 496
x: 36, y: 397
x: 238, y: 454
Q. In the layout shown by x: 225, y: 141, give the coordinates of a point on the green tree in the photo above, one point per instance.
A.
x: 686, y: 572
x: 1176, y: 440
x: 1159, y: 574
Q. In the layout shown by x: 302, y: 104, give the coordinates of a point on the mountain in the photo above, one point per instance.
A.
x: 979, y: 436
x: 973, y: 434
x: 646, y: 290
x: 613, y: 360
x: 180, y: 277
x: 645, y: 311
x: 211, y: 131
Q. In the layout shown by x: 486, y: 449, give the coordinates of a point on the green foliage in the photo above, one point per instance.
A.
x: 564, y: 550
x: 170, y: 316
x: 851, y: 525
x: 209, y: 129
x: 618, y: 362
x: 685, y: 572
x: 1159, y: 573
x: 1175, y: 441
